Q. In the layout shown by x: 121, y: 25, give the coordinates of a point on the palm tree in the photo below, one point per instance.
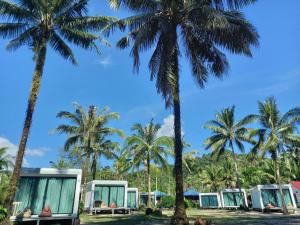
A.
x: 105, y: 148
x: 85, y: 130
x: 37, y: 24
x: 144, y: 147
x: 276, y: 135
x: 211, y: 177
x: 60, y: 164
x: 5, y: 160
x: 204, y: 29
x: 226, y: 132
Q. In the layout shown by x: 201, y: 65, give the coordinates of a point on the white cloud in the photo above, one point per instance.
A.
x: 167, y: 128
x: 35, y: 152
x: 13, y: 149
x: 105, y: 61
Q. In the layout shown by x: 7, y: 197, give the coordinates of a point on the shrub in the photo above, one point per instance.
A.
x: 81, y: 207
x: 3, y: 213
x: 167, y: 202
x: 190, y: 204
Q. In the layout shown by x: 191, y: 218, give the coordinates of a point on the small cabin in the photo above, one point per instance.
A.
x: 296, y: 191
x: 233, y: 198
x: 155, y: 197
x: 132, y: 198
x: 210, y: 200
x: 267, y: 197
x: 106, y: 196
x: 59, y: 189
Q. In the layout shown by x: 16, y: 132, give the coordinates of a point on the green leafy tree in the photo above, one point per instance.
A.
x: 145, y: 147
x: 84, y: 131
x: 204, y: 29
x: 276, y: 135
x: 227, y: 133
x: 39, y: 24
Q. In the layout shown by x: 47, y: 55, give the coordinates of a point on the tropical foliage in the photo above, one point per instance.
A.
x: 38, y: 24
x: 276, y: 135
x: 227, y: 133
x: 6, y: 161
x: 87, y: 135
x: 145, y: 147
x: 204, y: 29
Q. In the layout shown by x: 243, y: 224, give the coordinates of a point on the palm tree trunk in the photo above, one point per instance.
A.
x: 86, y: 167
x: 278, y: 178
x: 180, y: 217
x: 35, y: 87
x: 94, y: 166
x: 149, y: 183
x: 237, y: 175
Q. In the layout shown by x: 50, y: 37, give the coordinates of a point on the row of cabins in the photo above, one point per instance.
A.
x: 60, y: 189
x: 262, y: 197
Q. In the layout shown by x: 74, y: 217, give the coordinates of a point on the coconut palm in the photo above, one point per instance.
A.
x: 211, y: 177
x: 276, y: 135
x: 39, y: 24
x: 228, y: 133
x: 204, y: 28
x: 60, y: 164
x: 145, y: 147
x: 84, y: 131
x: 102, y: 148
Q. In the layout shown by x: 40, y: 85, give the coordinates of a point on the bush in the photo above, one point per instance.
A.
x: 81, y: 207
x: 167, y: 202
x: 3, y: 213
x: 190, y: 204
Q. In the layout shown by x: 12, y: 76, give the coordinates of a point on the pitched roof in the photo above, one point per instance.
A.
x: 159, y: 193
x: 191, y: 192
x: 296, y: 184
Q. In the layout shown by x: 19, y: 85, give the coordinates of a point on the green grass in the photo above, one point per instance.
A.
x: 218, y: 217
x: 135, y: 218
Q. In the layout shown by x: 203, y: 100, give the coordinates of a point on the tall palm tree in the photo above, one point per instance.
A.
x: 85, y: 130
x: 144, y: 147
x: 276, y: 135
x: 204, y: 28
x: 102, y: 147
x: 227, y: 133
x: 39, y: 24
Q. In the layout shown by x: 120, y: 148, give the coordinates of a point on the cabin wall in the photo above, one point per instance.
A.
x: 224, y: 198
x: 90, y: 197
x: 258, y: 200
x: 60, y: 189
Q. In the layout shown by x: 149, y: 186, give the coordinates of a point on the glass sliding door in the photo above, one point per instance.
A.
x: 110, y: 194
x: 37, y: 192
x: 131, y: 199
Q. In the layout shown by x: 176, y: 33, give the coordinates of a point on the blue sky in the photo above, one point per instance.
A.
x: 108, y: 80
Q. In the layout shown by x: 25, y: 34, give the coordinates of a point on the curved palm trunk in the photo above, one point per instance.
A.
x: 180, y: 217
x: 149, y: 183
x: 237, y: 175
x: 278, y: 179
x: 35, y: 87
